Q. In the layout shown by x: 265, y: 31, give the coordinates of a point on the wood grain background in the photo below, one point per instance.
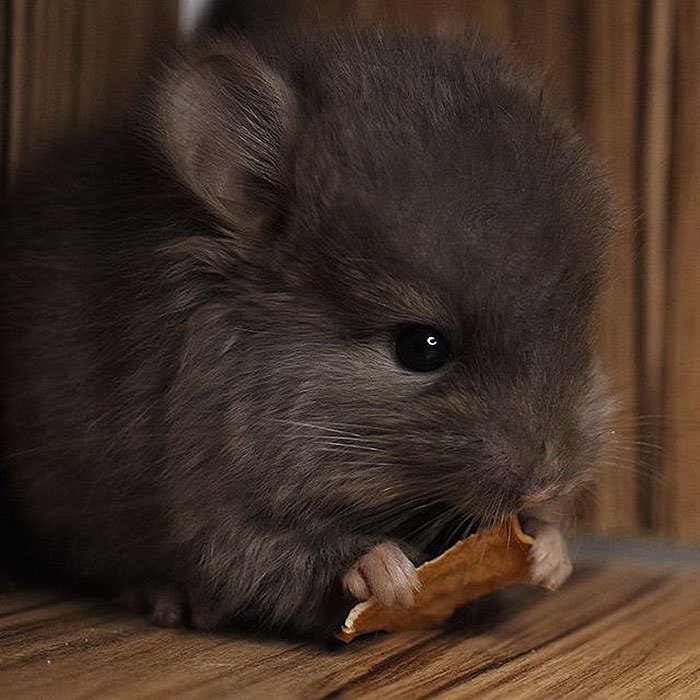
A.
x: 628, y: 71
x: 72, y: 63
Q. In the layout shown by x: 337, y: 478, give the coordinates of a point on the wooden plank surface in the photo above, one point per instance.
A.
x: 612, y: 632
x: 679, y: 502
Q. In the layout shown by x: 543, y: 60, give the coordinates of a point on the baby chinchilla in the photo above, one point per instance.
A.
x: 326, y: 297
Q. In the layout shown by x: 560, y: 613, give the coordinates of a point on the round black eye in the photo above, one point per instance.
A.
x: 421, y: 348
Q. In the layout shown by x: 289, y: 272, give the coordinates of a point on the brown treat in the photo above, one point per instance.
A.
x: 480, y: 564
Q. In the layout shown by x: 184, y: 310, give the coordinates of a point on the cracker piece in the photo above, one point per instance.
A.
x: 482, y: 563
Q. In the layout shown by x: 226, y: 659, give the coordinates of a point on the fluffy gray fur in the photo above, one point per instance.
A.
x: 200, y: 393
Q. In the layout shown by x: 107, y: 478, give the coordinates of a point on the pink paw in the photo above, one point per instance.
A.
x: 385, y: 573
x: 550, y: 564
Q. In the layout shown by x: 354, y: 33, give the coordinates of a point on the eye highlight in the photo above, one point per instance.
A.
x: 421, y: 348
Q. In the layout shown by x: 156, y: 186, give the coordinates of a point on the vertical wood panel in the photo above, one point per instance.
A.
x: 549, y: 34
x: 119, y: 40
x: 656, y: 102
x: 77, y: 62
x: 679, y: 503
x: 43, y: 63
x: 4, y: 89
x: 610, y: 117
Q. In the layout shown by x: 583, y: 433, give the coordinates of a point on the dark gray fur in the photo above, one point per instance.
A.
x: 199, y: 387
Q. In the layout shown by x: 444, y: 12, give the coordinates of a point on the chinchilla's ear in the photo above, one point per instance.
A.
x: 226, y: 122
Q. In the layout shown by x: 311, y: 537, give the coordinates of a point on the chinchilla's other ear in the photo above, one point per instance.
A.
x: 226, y: 122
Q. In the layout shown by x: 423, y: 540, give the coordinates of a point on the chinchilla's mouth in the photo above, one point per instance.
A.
x: 429, y: 532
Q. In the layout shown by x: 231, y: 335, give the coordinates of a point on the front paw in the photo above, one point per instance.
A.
x: 385, y: 573
x: 550, y: 564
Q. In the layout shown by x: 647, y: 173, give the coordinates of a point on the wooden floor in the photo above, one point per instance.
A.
x: 612, y: 632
